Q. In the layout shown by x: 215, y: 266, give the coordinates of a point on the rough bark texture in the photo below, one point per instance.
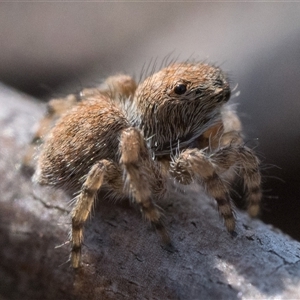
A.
x: 122, y: 256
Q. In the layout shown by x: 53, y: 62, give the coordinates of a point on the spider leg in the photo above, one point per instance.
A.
x: 102, y: 172
x: 139, y: 177
x: 247, y: 164
x: 195, y: 164
x: 252, y: 179
x: 229, y: 150
x: 118, y: 86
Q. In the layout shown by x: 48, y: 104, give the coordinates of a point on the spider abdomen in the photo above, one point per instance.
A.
x: 84, y: 135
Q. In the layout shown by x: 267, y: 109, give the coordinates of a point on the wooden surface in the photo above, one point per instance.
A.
x: 122, y: 256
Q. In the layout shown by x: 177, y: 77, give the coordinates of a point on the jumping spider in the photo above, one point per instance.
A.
x: 131, y: 140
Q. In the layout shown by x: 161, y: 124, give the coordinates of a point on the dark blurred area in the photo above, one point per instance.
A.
x: 50, y: 49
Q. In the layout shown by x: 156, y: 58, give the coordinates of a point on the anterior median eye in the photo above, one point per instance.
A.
x: 180, y: 89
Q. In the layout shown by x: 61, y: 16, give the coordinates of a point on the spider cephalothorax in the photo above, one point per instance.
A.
x: 130, y: 140
x: 188, y: 96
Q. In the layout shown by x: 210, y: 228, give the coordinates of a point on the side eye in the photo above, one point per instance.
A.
x: 219, y: 82
x: 180, y: 89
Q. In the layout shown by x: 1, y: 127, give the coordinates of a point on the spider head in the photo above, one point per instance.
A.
x: 184, y: 83
x: 181, y: 100
x: 197, y: 82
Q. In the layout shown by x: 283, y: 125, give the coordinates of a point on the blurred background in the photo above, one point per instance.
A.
x: 50, y: 49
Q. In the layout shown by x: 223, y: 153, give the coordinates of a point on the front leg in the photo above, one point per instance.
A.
x: 196, y: 165
x: 143, y: 177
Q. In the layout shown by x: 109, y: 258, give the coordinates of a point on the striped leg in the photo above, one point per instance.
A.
x: 103, y: 171
x: 247, y: 165
x: 139, y: 176
x: 194, y: 164
x: 252, y: 179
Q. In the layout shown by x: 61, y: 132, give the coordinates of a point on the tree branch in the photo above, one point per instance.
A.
x: 122, y: 256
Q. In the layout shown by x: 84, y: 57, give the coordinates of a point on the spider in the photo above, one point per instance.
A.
x: 138, y: 141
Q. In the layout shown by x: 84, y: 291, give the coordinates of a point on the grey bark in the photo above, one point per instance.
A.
x: 122, y: 256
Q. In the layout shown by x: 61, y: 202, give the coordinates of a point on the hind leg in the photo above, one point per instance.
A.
x: 103, y: 172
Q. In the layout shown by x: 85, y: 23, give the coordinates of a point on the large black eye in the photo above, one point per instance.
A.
x: 180, y: 89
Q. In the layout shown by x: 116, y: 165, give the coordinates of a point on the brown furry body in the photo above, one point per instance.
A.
x: 132, y: 139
